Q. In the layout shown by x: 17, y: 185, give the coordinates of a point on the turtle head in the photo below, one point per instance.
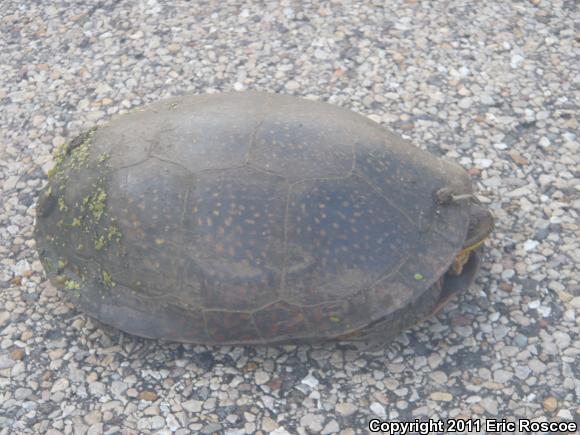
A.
x: 481, y: 224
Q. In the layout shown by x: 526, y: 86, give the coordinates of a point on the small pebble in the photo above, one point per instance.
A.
x: 550, y: 404
x: 148, y: 395
x: 441, y: 396
x: 378, y: 410
x: 17, y: 354
x: 346, y: 408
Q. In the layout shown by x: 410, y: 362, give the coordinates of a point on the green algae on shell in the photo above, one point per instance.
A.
x: 78, y: 150
x: 85, y: 218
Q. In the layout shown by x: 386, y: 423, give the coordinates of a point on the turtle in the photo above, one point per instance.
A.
x: 250, y: 218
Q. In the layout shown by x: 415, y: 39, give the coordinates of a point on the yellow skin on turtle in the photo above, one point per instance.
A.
x: 480, y: 227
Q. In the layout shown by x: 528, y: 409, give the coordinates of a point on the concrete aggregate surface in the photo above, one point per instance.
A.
x: 492, y: 85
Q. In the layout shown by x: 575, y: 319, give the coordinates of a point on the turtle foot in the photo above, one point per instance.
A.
x: 455, y: 284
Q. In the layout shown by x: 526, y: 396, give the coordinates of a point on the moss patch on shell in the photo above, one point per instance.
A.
x: 107, y: 279
x: 113, y: 232
x: 103, y: 158
x: 72, y: 285
x: 87, y: 218
x: 79, y: 151
x: 94, y: 204
x: 62, y: 264
x: 93, y: 213
x: 88, y: 215
x: 62, y: 207
x: 100, y: 242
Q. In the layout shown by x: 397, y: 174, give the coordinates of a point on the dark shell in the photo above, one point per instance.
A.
x: 249, y: 218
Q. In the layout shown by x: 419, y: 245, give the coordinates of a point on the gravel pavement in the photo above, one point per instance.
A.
x: 491, y: 84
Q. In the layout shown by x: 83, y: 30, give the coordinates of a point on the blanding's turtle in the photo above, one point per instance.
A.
x: 251, y: 218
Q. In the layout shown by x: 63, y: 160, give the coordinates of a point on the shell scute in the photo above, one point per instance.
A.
x: 341, y: 237
x: 281, y: 320
x: 232, y: 233
x: 231, y: 326
x: 293, y: 146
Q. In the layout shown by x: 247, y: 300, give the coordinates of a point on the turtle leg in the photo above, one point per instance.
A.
x: 132, y: 346
x: 455, y: 284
